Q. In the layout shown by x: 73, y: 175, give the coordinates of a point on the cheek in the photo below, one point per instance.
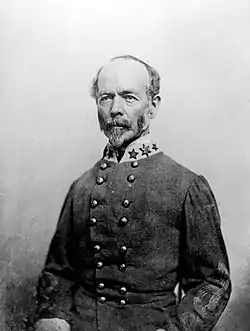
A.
x: 102, y: 119
x: 102, y: 113
x: 136, y: 113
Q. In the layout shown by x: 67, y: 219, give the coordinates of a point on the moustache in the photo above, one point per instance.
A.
x: 123, y: 123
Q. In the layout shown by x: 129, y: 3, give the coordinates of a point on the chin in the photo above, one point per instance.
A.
x: 118, y: 138
x: 117, y: 141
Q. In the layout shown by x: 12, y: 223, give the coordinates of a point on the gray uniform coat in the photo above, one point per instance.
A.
x: 128, y: 233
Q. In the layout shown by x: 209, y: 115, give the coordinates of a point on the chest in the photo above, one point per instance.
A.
x: 140, y: 206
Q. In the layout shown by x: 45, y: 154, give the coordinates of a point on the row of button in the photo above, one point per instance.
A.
x: 122, y: 221
x: 125, y: 203
x: 123, y: 249
x: 104, y: 165
x: 103, y: 299
x: 99, y: 265
x: 122, y: 290
x: 100, y: 180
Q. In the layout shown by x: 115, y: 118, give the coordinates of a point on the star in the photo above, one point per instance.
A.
x: 133, y: 154
x: 145, y: 150
x: 155, y: 147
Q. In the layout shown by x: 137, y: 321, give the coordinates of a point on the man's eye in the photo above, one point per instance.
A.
x: 105, y: 99
x: 129, y: 98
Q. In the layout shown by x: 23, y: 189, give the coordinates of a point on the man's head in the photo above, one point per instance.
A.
x: 126, y: 91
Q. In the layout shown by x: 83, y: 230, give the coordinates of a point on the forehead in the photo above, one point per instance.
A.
x: 123, y: 74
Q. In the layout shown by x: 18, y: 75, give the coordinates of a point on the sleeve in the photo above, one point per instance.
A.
x: 204, y: 266
x: 54, y: 289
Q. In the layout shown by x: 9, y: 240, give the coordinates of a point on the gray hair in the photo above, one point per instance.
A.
x: 154, y: 86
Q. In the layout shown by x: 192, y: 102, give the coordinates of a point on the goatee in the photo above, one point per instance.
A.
x: 116, y: 128
x: 116, y: 135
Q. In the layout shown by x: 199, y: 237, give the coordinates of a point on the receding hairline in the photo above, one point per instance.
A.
x: 154, y: 77
x: 128, y: 58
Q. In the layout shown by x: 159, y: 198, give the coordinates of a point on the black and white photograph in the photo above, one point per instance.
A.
x: 124, y: 165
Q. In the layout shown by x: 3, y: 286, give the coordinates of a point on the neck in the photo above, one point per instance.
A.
x: 121, y: 149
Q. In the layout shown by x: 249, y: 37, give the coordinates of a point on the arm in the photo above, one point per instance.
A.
x: 55, y: 283
x: 204, y: 267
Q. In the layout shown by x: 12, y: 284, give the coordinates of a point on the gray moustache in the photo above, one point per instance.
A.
x: 122, y: 124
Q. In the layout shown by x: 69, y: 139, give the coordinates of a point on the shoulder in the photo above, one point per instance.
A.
x: 86, y: 180
x: 175, y: 172
x: 193, y: 187
x: 175, y: 167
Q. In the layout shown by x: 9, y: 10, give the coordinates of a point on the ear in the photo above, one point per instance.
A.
x: 154, y: 106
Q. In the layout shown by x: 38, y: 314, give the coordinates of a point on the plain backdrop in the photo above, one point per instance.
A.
x: 49, y: 135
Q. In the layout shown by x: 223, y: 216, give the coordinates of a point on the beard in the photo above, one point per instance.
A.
x: 117, y: 136
x: 121, y: 131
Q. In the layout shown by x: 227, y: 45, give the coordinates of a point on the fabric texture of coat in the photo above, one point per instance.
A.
x: 128, y: 233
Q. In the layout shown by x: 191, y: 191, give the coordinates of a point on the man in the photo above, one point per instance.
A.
x: 133, y: 227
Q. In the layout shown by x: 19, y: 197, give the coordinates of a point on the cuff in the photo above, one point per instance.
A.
x: 52, y: 324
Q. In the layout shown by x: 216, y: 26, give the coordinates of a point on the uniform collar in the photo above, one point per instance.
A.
x: 141, y: 148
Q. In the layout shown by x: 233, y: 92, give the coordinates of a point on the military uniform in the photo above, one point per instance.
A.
x: 128, y: 233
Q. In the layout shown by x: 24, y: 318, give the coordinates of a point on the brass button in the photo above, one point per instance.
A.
x: 131, y: 178
x: 134, y: 164
x: 100, y: 286
x: 102, y: 299
x: 126, y: 203
x: 123, y: 250
x: 99, y: 265
x: 123, y: 221
x: 122, y: 267
x: 93, y: 221
x: 123, y: 302
x: 99, y: 180
x: 94, y: 203
x: 104, y: 166
x: 97, y: 248
x: 123, y: 290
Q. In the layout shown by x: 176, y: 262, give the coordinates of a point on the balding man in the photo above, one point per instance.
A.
x: 133, y: 227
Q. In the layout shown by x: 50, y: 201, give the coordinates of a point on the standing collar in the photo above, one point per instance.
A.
x: 141, y: 148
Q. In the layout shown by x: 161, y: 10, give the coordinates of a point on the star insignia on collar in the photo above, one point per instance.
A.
x: 155, y: 147
x: 145, y: 150
x: 133, y: 154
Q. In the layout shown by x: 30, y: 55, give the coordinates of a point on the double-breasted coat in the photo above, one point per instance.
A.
x: 128, y: 233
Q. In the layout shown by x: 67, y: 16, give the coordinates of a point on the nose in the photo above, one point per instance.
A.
x: 117, y: 107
